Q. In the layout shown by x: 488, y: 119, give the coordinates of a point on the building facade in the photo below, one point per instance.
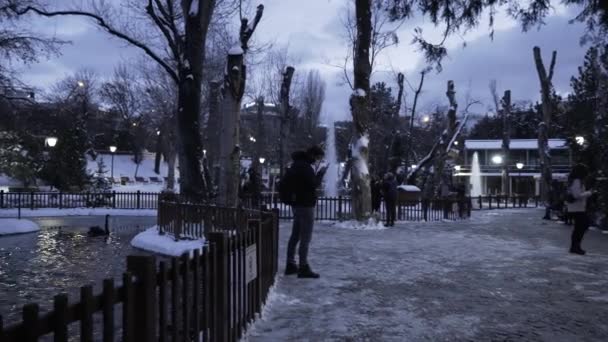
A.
x: 523, y: 164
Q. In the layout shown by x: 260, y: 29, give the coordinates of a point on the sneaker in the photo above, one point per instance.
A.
x: 291, y: 268
x: 306, y: 272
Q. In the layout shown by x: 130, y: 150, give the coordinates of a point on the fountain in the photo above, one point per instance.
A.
x: 331, y: 176
x: 475, y: 179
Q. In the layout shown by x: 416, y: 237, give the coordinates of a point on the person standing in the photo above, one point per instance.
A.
x: 577, y: 203
x: 376, y: 194
x: 389, y: 190
x: 304, y: 182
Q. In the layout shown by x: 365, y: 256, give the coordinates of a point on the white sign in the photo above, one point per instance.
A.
x: 251, y: 263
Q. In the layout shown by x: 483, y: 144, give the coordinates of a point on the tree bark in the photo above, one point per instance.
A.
x: 360, y: 109
x: 284, y: 98
x: 544, y: 153
x: 506, y: 141
x: 158, y: 154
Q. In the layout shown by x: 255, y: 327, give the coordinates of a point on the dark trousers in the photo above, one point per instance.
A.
x: 301, y: 232
x: 581, y: 224
x: 391, y: 210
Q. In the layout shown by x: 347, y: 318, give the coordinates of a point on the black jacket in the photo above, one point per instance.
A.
x: 305, y: 181
x: 389, y: 189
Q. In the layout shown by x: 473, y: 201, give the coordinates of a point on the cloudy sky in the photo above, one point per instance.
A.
x: 312, y: 30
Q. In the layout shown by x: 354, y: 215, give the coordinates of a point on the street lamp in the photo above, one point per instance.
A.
x: 497, y: 159
x: 519, y: 166
x: 457, y: 168
x: 112, y: 150
x: 414, y: 166
x: 80, y: 84
x: 426, y: 118
x: 252, y: 139
x: 262, y: 160
x: 50, y: 141
x: 580, y: 140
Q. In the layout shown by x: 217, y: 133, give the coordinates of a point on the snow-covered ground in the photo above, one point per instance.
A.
x: 77, y: 212
x: 151, y: 241
x: 9, y: 226
x: 503, y: 275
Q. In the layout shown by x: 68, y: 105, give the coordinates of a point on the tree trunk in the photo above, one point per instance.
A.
x: 506, y: 140
x: 544, y: 127
x: 360, y: 109
x: 413, y: 114
x: 213, y: 131
x: 256, y: 182
x: 230, y: 151
x: 439, y: 176
x: 171, y: 170
x: 284, y: 98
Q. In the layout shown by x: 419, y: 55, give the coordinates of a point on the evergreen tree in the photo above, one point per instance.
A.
x: 101, y: 183
x: 20, y: 157
x: 587, y: 116
x: 383, y: 133
x: 66, y: 168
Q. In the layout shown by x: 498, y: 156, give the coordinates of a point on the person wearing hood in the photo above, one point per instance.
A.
x: 304, y: 182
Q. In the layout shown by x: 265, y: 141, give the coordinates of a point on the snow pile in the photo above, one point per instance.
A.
x: 359, y: 164
x: 125, y: 166
x: 409, y: 188
x: 371, y: 224
x: 16, y: 226
x: 236, y: 50
x: 150, y: 240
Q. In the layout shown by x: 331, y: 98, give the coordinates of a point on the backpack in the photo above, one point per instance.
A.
x: 287, y: 188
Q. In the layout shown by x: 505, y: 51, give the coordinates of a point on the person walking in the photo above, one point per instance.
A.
x: 577, y: 203
x: 389, y: 192
x: 304, y: 182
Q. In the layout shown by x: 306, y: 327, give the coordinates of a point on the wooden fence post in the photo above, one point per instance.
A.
x: 30, y: 323
x: 219, y: 241
x: 144, y: 269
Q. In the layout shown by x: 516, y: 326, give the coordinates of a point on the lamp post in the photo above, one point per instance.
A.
x: 519, y: 166
x: 580, y: 140
x: 112, y: 150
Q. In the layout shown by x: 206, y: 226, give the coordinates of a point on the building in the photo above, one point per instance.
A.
x: 524, y: 164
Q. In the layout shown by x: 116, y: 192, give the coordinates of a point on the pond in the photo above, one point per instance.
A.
x: 61, y: 257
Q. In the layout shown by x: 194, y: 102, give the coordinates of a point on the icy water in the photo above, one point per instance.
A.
x: 61, y: 258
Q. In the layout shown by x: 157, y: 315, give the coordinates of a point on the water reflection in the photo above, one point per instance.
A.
x: 35, y: 267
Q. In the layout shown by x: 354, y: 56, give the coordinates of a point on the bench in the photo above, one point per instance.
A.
x: 141, y: 180
x: 155, y: 180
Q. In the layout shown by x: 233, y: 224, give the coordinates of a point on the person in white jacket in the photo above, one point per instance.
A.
x: 577, y: 205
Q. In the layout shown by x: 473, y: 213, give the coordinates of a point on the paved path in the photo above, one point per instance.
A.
x: 503, y: 276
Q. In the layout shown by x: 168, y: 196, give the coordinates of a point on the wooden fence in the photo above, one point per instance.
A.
x: 69, y: 200
x: 195, y: 221
x: 211, y: 296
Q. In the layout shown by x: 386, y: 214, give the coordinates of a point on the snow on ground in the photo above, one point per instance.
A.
x: 77, y: 212
x: 15, y: 226
x: 150, y: 240
x: 371, y: 224
x: 125, y: 167
x: 504, y: 275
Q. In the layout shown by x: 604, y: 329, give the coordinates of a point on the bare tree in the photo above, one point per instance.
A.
x: 312, y: 96
x: 544, y: 127
x: 178, y: 46
x: 233, y: 91
x: 285, y: 114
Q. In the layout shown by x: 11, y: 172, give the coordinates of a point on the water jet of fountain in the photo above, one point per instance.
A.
x: 331, y: 176
x: 475, y: 179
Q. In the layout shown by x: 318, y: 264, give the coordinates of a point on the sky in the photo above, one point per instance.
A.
x: 313, y: 32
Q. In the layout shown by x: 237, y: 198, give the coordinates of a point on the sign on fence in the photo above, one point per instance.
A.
x: 251, y: 263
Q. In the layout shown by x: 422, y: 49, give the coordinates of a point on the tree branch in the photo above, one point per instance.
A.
x: 247, y: 30
x: 101, y: 22
x: 552, y: 65
x: 171, y: 40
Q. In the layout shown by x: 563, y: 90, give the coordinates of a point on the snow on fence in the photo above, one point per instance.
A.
x: 70, y: 200
x: 210, y: 297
